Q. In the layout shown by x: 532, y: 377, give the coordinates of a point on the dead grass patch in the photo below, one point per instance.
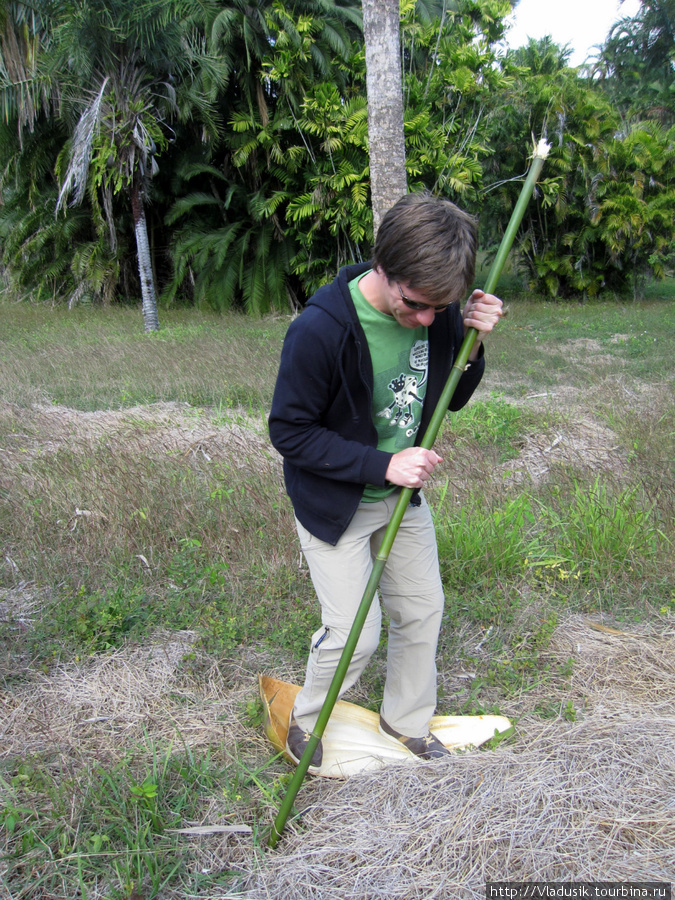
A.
x: 110, y: 702
x: 582, y: 802
x: 583, y: 444
x: 615, y: 669
x: 585, y: 801
x: 155, y: 429
x: 589, y: 351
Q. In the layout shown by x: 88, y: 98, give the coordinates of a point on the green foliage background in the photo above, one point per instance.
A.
x: 242, y: 129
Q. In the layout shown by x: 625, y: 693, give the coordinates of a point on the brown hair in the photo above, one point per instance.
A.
x: 429, y: 244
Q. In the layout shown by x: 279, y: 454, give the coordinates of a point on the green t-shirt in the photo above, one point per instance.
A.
x: 400, y: 359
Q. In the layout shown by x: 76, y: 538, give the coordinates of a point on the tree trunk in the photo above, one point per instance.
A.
x: 150, y: 317
x: 381, y: 30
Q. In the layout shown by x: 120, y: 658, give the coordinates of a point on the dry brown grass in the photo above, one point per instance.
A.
x: 156, y: 429
x: 585, y: 801
x: 582, y: 444
x: 591, y: 800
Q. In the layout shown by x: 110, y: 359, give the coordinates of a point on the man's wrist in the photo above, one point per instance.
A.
x: 477, y: 350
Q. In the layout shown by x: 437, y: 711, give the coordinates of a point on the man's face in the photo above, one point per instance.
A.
x: 409, y: 307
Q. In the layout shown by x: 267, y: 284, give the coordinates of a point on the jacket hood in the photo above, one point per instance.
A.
x: 338, y: 304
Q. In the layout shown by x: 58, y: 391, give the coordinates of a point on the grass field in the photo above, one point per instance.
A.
x: 150, y: 569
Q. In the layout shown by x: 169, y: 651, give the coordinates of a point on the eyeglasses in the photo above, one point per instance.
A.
x: 415, y: 304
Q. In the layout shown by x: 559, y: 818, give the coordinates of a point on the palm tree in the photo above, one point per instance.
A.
x: 637, y: 62
x: 23, y: 35
x: 234, y: 247
x: 381, y: 30
x: 122, y: 121
x: 126, y: 69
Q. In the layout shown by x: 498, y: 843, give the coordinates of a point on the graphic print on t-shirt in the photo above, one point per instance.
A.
x: 406, y: 393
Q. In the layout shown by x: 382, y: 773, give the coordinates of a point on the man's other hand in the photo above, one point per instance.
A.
x: 412, y: 467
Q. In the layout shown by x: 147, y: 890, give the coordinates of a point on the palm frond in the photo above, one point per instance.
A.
x: 185, y: 205
x: 75, y: 180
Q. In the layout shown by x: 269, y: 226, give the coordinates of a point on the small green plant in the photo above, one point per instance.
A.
x: 146, y: 795
x: 113, y: 824
x: 522, y: 663
x: 14, y: 817
x: 494, y: 422
x: 191, y: 570
x: 254, y: 712
x: 500, y: 737
x: 480, y: 541
x: 569, y: 712
x: 554, y: 709
x: 604, y: 533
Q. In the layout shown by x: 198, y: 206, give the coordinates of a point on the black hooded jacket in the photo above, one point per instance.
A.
x: 321, y: 419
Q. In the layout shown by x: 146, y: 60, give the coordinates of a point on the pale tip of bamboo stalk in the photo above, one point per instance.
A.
x: 542, y: 150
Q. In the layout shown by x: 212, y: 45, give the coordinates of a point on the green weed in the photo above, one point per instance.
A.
x: 481, y: 541
x: 556, y: 710
x: 603, y: 533
x: 112, y: 825
x: 513, y: 666
x: 492, y: 423
x: 589, y: 533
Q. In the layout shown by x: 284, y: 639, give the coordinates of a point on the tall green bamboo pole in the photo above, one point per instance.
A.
x: 540, y: 154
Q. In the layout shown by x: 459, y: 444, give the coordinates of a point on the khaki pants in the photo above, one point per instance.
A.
x: 411, y: 593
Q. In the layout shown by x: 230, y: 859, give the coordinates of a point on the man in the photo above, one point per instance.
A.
x: 361, y: 372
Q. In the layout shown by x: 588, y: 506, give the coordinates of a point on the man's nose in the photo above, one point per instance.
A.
x: 426, y: 316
